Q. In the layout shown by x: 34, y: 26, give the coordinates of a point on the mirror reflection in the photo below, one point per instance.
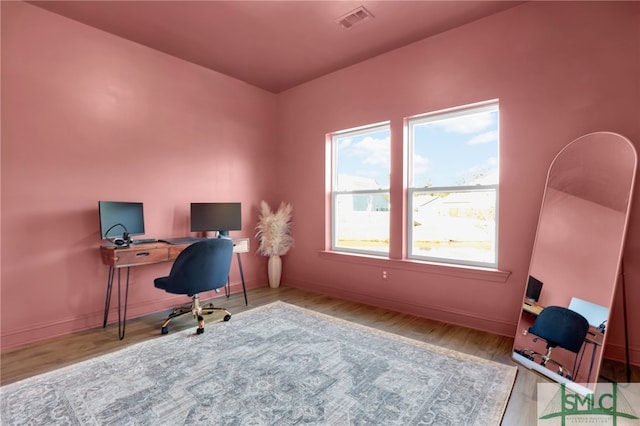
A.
x: 576, y: 260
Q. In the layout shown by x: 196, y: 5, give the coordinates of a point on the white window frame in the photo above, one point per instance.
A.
x: 335, y: 193
x: 412, y: 191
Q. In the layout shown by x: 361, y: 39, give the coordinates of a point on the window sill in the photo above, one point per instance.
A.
x: 460, y: 271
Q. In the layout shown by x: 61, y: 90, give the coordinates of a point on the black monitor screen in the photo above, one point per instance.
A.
x: 118, y: 217
x: 534, y: 288
x: 222, y: 217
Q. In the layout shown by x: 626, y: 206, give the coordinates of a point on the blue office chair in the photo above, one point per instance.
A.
x: 203, y: 266
x: 559, y: 327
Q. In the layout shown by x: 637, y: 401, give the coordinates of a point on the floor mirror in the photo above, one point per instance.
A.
x: 576, y: 260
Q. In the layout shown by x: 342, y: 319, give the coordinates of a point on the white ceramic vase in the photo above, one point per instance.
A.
x: 275, y: 271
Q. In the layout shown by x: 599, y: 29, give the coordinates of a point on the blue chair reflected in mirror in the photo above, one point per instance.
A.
x: 561, y: 328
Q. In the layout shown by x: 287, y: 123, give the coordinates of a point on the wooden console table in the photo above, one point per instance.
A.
x: 147, y: 254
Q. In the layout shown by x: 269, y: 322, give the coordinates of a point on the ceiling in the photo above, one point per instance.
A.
x: 274, y: 45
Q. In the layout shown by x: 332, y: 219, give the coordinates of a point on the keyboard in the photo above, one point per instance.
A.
x: 144, y: 241
x: 183, y: 240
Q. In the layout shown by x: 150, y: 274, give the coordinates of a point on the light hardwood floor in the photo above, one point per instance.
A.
x: 40, y: 357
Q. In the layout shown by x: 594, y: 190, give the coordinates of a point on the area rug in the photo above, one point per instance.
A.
x: 278, y: 364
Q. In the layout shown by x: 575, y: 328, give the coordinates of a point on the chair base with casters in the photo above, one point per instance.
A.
x: 203, y: 266
x: 544, y: 360
x: 198, y: 311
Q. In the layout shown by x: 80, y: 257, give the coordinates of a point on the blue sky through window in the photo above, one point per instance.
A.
x: 363, y: 160
x: 460, y: 149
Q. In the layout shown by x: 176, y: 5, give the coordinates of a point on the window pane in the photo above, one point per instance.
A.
x: 360, y: 187
x: 455, y: 155
x: 455, y: 149
x: 455, y: 226
x: 361, y: 222
x: 362, y: 159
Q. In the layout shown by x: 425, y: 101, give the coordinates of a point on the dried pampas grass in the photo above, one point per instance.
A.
x: 274, y: 230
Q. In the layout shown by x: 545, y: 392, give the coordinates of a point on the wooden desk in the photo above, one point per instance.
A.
x: 531, y: 307
x: 148, y: 254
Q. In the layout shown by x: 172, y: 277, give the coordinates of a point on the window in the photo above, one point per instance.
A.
x: 453, y: 186
x: 360, y: 190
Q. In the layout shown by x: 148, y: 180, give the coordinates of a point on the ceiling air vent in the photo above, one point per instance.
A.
x: 354, y: 17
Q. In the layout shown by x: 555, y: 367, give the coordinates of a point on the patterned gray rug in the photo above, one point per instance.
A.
x: 274, y: 365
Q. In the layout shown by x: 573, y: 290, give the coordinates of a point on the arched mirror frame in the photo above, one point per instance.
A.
x: 578, y: 247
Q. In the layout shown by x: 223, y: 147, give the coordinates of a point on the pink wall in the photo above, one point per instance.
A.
x: 559, y: 69
x: 559, y: 247
x: 74, y: 99
x: 87, y: 116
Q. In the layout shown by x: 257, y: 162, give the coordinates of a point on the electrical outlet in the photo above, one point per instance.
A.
x: 385, y: 275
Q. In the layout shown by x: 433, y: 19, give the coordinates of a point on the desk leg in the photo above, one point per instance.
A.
x: 227, y: 288
x: 107, y: 302
x: 244, y: 289
x: 122, y: 320
x: 593, y: 356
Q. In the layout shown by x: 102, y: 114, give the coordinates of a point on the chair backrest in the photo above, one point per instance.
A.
x: 561, y: 327
x: 202, y: 266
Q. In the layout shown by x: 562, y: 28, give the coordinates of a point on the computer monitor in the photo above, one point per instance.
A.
x: 221, y: 217
x: 597, y: 315
x: 534, y: 288
x: 118, y: 217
